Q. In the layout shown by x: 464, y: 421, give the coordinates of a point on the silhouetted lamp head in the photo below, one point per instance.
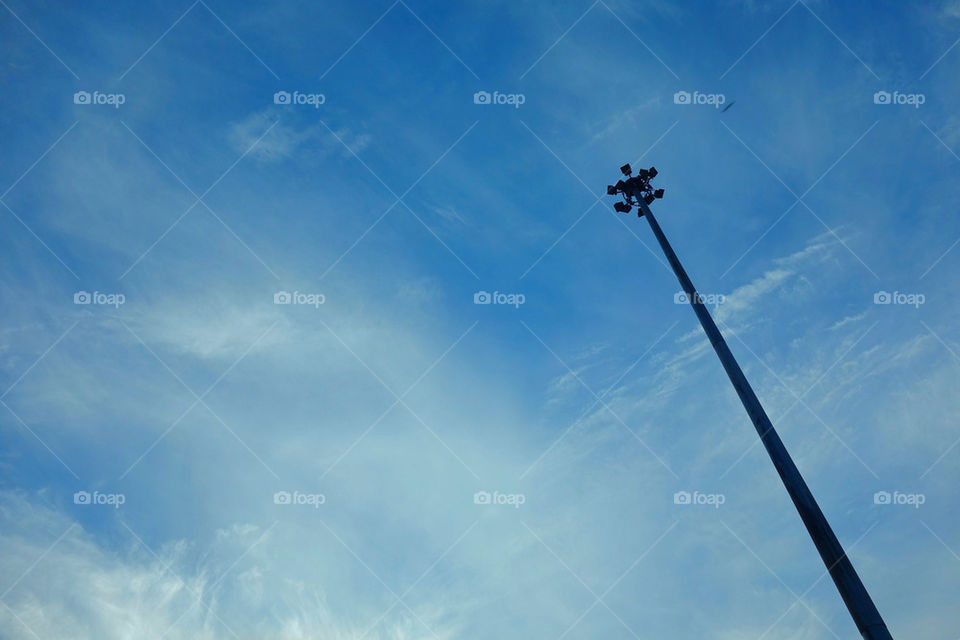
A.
x: 635, y: 189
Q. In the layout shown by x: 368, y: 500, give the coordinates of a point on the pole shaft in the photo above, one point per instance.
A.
x: 854, y: 594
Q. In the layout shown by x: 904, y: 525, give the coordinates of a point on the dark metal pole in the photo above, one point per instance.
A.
x: 854, y: 594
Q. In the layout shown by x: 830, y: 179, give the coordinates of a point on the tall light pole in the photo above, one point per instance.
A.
x: 636, y: 191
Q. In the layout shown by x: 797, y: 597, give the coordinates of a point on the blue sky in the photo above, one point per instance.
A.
x: 820, y: 216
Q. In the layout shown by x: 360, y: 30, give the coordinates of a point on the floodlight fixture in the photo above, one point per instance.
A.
x: 635, y: 189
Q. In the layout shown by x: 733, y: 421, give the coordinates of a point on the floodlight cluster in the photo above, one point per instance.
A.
x: 635, y: 186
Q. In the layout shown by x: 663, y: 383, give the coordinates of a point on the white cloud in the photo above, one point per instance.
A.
x: 250, y: 135
x: 286, y: 138
x: 627, y: 118
x: 848, y: 320
x: 78, y: 589
x: 449, y: 215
